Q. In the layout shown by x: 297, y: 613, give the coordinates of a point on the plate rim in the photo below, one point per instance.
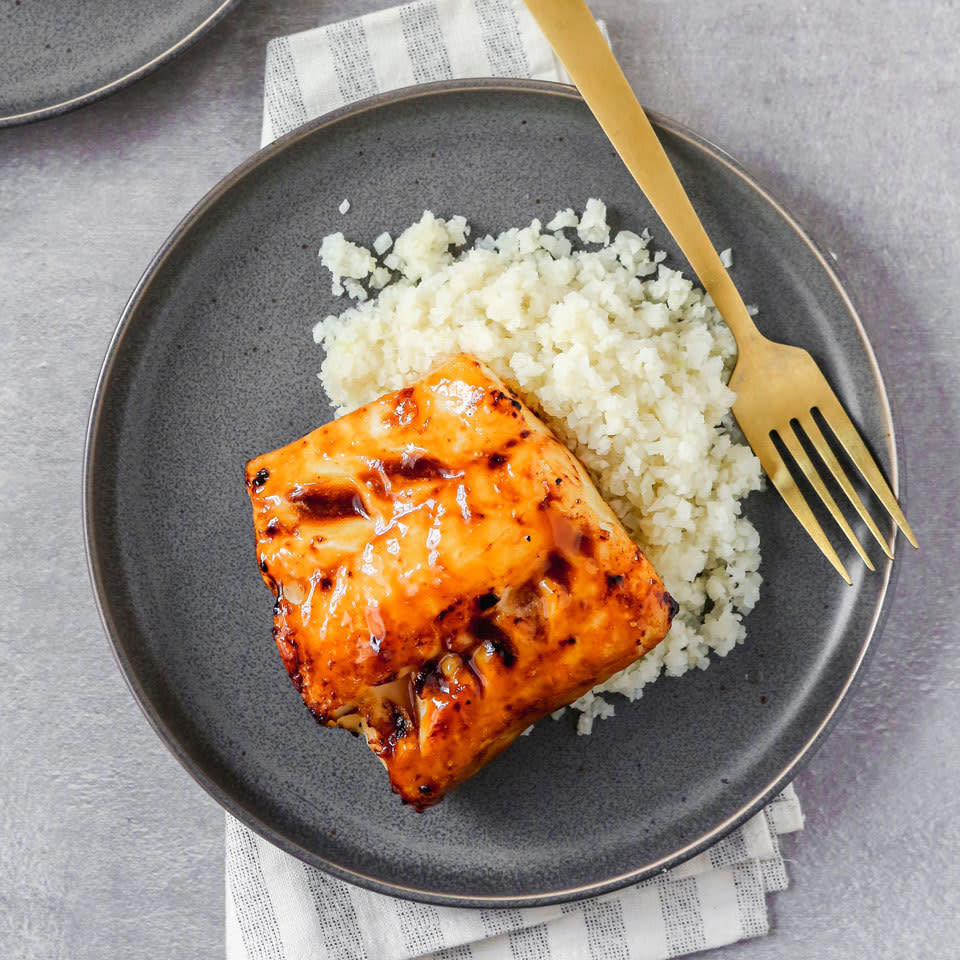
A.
x: 94, y: 560
x: 91, y: 96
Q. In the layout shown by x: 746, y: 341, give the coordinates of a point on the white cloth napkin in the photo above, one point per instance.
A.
x: 310, y: 73
x: 280, y: 909
x: 277, y: 907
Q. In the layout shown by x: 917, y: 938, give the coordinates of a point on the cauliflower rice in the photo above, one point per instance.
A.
x: 624, y: 358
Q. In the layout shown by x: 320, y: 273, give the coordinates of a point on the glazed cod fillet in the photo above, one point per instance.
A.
x: 445, y: 574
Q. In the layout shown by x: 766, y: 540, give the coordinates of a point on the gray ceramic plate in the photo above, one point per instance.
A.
x: 213, y: 362
x: 59, y: 54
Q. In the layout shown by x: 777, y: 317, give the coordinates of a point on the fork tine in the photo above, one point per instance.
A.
x: 844, y: 430
x: 823, y: 448
x: 792, y: 443
x: 782, y: 479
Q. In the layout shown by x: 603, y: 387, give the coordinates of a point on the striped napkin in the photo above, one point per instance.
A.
x: 311, y: 73
x: 280, y: 909
x: 277, y: 908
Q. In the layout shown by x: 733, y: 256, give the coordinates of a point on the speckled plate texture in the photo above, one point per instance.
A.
x: 56, y: 55
x: 213, y: 362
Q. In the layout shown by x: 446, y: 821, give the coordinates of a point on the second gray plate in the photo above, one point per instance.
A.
x: 213, y: 362
x: 60, y: 54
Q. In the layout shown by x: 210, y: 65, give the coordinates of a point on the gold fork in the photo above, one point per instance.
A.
x: 777, y: 386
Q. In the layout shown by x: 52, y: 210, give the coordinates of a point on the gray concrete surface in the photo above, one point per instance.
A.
x: 850, y: 111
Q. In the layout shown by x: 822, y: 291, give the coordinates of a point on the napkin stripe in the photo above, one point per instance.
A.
x: 352, y: 62
x: 281, y: 89
x: 774, y: 873
x: 500, y: 32
x: 751, y: 902
x: 496, y: 922
x: 420, y: 23
x: 682, y: 917
x: 420, y: 927
x: 529, y: 944
x: 606, y: 933
x: 338, y: 919
x: 732, y: 849
x: 251, y: 896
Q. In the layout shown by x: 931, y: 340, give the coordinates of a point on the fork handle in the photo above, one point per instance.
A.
x: 578, y: 42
